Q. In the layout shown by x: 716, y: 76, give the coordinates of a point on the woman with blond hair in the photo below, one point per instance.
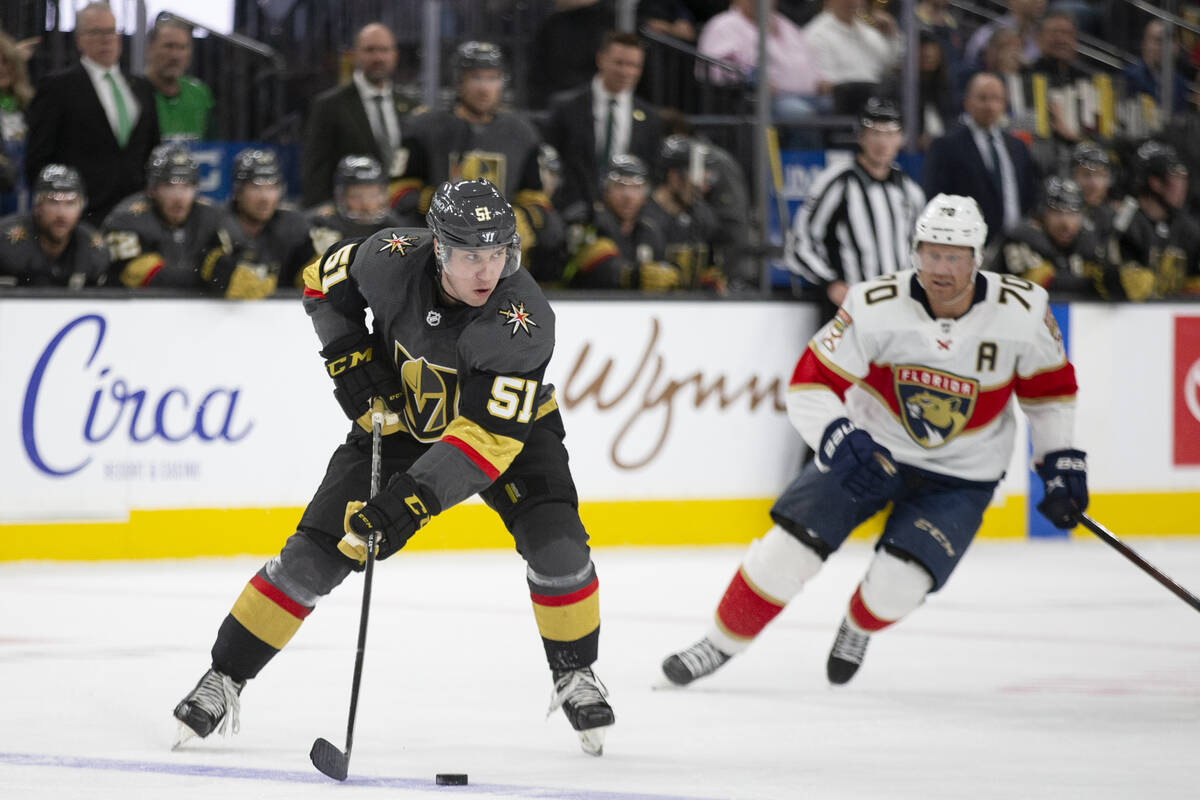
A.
x: 16, y: 92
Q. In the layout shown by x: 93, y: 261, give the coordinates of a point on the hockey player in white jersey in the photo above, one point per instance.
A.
x: 906, y: 398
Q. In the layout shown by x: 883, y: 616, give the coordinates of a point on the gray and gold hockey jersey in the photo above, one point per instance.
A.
x: 84, y: 262
x: 473, y: 377
x: 145, y: 251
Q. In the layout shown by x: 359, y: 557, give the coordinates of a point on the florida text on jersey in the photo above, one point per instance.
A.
x: 938, y: 392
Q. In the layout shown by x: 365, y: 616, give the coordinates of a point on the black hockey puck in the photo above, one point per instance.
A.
x: 451, y: 779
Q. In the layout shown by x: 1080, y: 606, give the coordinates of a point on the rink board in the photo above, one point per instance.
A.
x: 153, y: 428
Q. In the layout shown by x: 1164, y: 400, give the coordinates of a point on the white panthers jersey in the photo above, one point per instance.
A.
x: 939, y: 393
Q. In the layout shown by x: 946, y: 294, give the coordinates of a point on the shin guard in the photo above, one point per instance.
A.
x: 892, y: 588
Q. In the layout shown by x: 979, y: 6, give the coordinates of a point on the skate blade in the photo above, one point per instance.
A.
x: 182, y: 735
x: 592, y: 740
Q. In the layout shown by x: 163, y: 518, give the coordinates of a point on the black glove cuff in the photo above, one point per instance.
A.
x: 397, y: 512
x: 360, y: 372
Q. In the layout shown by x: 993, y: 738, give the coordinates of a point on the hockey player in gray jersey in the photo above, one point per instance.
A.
x: 477, y: 139
x: 359, y: 207
x: 50, y: 246
x: 157, y: 238
x: 457, y: 357
x: 259, y: 246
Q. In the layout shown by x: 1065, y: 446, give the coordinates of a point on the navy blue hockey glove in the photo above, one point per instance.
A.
x: 1064, y: 472
x: 394, y: 515
x: 864, y: 467
x: 360, y: 377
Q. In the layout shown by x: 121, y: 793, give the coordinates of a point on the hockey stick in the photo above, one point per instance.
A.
x: 1125, y: 550
x: 324, y: 754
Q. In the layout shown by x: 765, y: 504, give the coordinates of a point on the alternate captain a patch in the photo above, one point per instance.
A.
x: 518, y: 317
x: 935, y: 406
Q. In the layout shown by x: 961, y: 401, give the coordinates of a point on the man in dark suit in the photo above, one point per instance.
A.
x: 978, y: 159
x: 599, y: 120
x: 95, y: 118
x: 360, y: 118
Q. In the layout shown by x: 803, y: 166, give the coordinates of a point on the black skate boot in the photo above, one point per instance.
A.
x: 213, y: 702
x: 582, y: 697
x: 702, y: 658
x: 846, y: 655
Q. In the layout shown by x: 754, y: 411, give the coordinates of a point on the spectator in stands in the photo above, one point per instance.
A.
x: 856, y: 223
x: 601, y: 120
x: 1058, y: 42
x: 51, y: 246
x: 564, y: 46
x: 360, y: 205
x: 157, y: 238
x: 854, y: 54
x: 477, y: 139
x: 362, y: 117
x: 184, y: 103
x: 620, y: 248
x: 1157, y: 247
x: 1091, y: 169
x: 1055, y: 249
x: 1002, y: 58
x: 95, y: 118
x: 259, y: 245
x: 934, y: 90
x: 668, y: 17
x: 16, y: 92
x: 1142, y: 76
x: 936, y: 17
x: 678, y: 209
x: 1023, y: 17
x: 798, y: 87
x: 981, y: 160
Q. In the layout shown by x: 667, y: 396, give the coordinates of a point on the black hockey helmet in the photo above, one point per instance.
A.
x: 255, y: 165
x: 357, y: 171
x: 1090, y: 156
x: 61, y: 181
x: 476, y: 55
x: 473, y: 215
x: 1062, y: 194
x: 626, y: 169
x: 1154, y: 159
x: 880, y: 114
x: 172, y: 163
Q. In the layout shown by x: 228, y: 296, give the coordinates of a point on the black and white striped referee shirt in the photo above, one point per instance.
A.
x: 853, y: 227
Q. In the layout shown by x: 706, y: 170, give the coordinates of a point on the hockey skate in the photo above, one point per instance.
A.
x: 582, y: 698
x: 213, y: 702
x: 702, y: 658
x: 846, y: 655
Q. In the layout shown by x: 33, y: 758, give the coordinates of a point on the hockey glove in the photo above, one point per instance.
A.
x: 394, y: 515
x: 864, y: 468
x: 1064, y: 473
x: 359, y: 378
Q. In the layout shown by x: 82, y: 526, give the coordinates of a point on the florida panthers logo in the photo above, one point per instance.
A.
x: 935, y: 406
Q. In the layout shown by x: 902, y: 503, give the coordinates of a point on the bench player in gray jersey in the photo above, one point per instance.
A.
x: 157, y: 238
x: 359, y: 206
x: 457, y: 358
x: 51, y: 246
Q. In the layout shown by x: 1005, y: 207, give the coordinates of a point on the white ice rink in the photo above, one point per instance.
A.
x: 1043, y: 670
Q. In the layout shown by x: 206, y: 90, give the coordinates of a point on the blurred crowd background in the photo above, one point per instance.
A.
x: 221, y: 148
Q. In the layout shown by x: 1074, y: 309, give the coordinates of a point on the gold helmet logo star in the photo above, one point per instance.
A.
x: 396, y: 244
x: 518, y: 317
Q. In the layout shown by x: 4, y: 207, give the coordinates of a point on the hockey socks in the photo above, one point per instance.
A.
x: 262, y: 621
x: 773, y: 572
x: 568, y: 618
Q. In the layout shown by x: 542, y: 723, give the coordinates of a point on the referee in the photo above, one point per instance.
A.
x: 857, y: 221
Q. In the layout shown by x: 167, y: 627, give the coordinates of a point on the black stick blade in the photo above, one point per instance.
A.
x: 329, y: 759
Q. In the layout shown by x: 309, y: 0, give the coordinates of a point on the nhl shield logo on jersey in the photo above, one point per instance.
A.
x: 396, y: 244
x: 518, y: 317
x: 935, y: 406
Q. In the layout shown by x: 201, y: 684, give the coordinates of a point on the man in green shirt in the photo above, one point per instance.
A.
x: 184, y: 103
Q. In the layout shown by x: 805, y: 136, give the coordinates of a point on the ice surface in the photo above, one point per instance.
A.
x: 1042, y: 670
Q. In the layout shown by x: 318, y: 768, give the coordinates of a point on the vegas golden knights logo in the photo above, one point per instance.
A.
x: 430, y: 396
x: 935, y: 406
x: 475, y: 164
